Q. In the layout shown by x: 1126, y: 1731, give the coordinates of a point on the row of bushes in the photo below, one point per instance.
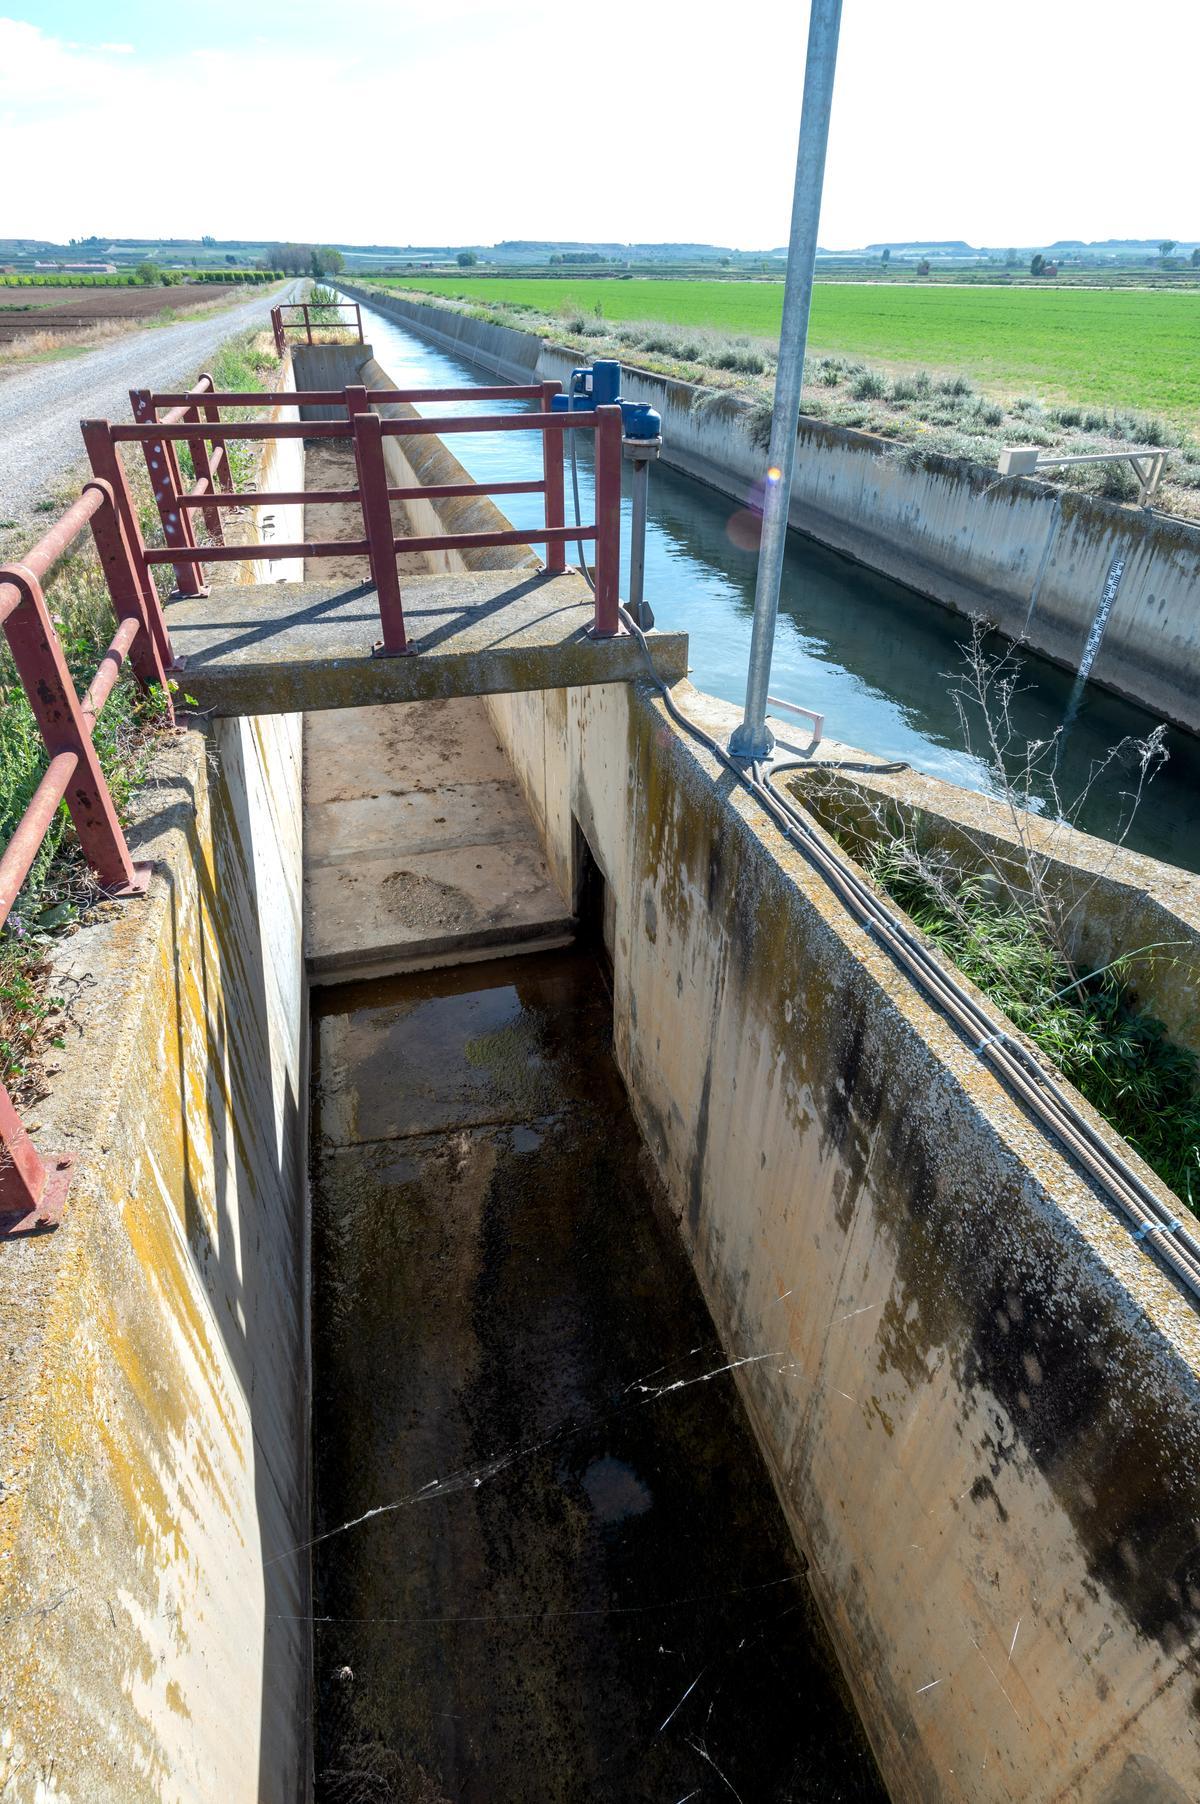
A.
x: 921, y: 411
x: 163, y: 278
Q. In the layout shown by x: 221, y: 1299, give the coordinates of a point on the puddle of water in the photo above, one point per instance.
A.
x: 588, y: 1591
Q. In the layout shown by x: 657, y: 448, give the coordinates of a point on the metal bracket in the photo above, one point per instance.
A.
x: 142, y: 874
x: 380, y: 650
x: 46, y: 1214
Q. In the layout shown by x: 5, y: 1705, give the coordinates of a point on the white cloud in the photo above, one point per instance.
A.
x: 481, y: 119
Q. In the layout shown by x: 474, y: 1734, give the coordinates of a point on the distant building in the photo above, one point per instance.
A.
x: 80, y: 269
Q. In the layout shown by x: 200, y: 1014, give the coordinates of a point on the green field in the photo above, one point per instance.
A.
x: 1124, y: 348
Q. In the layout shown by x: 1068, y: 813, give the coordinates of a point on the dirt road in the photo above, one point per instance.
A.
x: 41, y: 408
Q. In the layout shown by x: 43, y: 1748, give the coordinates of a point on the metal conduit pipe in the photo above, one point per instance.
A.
x: 1151, y: 1222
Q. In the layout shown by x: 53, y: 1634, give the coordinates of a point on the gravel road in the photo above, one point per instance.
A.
x: 41, y: 408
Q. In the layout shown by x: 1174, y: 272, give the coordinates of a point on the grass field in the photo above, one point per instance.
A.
x: 1128, y: 348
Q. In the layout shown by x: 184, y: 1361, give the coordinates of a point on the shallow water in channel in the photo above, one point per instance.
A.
x: 578, y: 1584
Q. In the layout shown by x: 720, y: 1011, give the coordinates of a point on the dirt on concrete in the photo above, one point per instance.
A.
x: 550, y: 1564
x: 329, y: 464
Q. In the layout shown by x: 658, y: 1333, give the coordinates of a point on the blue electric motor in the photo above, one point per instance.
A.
x: 600, y: 386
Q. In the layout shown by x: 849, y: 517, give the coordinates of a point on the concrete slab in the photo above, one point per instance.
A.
x: 283, y: 647
x: 352, y: 752
x: 419, y: 850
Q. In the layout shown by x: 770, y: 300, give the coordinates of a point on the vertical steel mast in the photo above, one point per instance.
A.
x: 753, y: 740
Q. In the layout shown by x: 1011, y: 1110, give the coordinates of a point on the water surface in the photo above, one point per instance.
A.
x: 881, y: 662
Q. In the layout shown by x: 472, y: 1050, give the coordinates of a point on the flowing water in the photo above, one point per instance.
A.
x: 881, y: 662
x: 573, y: 1580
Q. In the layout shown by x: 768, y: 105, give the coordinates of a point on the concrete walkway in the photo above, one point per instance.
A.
x: 418, y: 848
x: 285, y: 648
x: 41, y: 408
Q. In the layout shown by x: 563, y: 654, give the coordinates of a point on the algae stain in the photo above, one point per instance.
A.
x: 175, y: 1700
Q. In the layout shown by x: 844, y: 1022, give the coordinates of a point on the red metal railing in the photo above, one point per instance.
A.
x: 281, y: 327
x: 32, y: 1188
x: 159, y: 432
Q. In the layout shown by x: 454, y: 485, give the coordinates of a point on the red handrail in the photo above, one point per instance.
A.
x: 31, y: 1188
x: 281, y: 327
x: 367, y: 430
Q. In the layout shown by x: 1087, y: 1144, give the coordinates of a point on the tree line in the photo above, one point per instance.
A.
x: 304, y: 259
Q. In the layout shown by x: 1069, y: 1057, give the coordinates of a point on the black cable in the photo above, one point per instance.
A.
x: 1027, y: 1077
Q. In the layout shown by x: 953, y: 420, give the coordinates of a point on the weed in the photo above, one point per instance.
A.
x: 995, y: 909
x: 1117, y: 1056
x: 869, y: 386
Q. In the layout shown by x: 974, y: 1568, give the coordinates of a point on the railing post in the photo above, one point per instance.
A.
x: 358, y: 318
x: 204, y: 474
x: 308, y: 322
x: 277, y: 328
x: 377, y: 518
x: 608, y: 522
x: 212, y: 414
x: 106, y: 465
x: 42, y: 668
x: 120, y: 573
x: 552, y: 473
x: 31, y: 1191
x: 165, y: 481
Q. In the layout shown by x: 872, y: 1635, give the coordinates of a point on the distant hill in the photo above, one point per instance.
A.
x: 942, y: 247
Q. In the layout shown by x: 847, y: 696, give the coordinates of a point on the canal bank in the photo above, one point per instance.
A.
x: 882, y: 663
x: 1072, y: 575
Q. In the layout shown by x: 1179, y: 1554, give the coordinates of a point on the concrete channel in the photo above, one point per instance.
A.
x: 714, y: 1383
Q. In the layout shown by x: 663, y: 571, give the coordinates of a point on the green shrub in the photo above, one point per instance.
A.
x: 1117, y: 1056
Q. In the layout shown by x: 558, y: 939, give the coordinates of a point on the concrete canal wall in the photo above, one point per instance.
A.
x: 977, y: 1397
x: 1034, y: 559
x: 153, y: 1427
x: 154, y: 1421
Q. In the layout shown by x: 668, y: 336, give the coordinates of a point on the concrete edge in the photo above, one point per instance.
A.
x: 1166, y: 1307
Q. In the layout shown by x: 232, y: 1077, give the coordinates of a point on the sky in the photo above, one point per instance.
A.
x: 468, y: 121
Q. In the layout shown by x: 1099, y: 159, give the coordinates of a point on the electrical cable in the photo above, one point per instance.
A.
x: 1146, y: 1214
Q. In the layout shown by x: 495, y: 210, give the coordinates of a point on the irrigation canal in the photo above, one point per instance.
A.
x: 880, y: 661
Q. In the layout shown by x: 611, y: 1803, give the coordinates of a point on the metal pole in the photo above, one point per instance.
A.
x: 637, y: 540
x: 641, y: 452
x: 753, y: 739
